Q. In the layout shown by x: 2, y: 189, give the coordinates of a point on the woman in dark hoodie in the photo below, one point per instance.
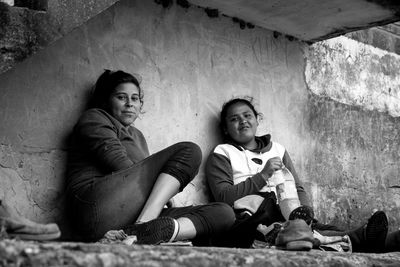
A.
x: 114, y: 183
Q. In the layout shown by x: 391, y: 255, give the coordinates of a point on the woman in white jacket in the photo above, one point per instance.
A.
x: 243, y: 165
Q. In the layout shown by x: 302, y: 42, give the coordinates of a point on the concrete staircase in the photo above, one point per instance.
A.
x: 25, y: 27
x: 386, y: 37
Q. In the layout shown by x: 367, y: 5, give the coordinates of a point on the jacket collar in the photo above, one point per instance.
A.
x: 263, y: 144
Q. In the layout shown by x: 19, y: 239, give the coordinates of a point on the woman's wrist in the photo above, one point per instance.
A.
x: 264, y: 176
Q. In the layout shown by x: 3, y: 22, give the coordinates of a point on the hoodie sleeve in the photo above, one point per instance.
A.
x: 220, y: 180
x: 304, y: 200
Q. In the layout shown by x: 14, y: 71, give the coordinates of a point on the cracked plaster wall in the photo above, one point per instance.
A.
x: 190, y: 65
x: 354, y: 124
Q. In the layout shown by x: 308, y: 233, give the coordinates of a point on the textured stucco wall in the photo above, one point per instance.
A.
x: 353, y: 115
x: 190, y: 65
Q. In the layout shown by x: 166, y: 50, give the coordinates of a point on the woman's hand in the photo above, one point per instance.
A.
x: 271, y: 166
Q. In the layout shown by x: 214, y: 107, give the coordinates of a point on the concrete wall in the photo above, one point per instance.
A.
x: 191, y: 64
x: 353, y: 115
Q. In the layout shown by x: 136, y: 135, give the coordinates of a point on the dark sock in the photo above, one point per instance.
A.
x: 305, y: 213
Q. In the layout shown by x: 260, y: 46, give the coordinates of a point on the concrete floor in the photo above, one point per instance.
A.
x: 22, y: 253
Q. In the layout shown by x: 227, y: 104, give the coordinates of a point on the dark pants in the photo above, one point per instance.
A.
x: 115, y: 201
x: 244, y: 231
x: 210, y: 220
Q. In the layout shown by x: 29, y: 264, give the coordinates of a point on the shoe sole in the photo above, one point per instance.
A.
x: 299, y: 245
x: 38, y: 237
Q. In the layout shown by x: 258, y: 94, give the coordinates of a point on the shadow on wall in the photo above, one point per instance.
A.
x: 4, y: 19
x: 64, y: 221
x: 198, y: 192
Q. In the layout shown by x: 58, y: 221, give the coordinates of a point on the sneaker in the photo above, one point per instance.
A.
x: 376, y: 232
x: 16, y: 226
x: 295, y: 235
x: 371, y: 236
x: 159, y: 230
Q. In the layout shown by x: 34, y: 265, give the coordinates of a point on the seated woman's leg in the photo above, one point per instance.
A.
x: 165, y: 187
x: 118, y: 199
x: 197, y: 223
x: 179, y: 170
x: 201, y: 221
x: 244, y: 231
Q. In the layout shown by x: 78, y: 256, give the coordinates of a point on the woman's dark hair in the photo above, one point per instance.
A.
x: 106, y: 84
x: 222, y: 123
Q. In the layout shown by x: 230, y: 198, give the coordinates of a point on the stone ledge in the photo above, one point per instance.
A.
x: 29, y: 253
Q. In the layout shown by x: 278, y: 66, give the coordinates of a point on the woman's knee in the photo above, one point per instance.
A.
x: 212, y: 219
x: 193, y: 150
x: 224, y: 216
x: 185, y: 162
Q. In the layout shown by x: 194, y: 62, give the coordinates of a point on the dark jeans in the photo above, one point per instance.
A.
x: 244, y: 231
x: 114, y: 201
x: 209, y: 220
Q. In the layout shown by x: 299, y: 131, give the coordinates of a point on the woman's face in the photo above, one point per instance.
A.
x: 241, y: 123
x: 125, y: 103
